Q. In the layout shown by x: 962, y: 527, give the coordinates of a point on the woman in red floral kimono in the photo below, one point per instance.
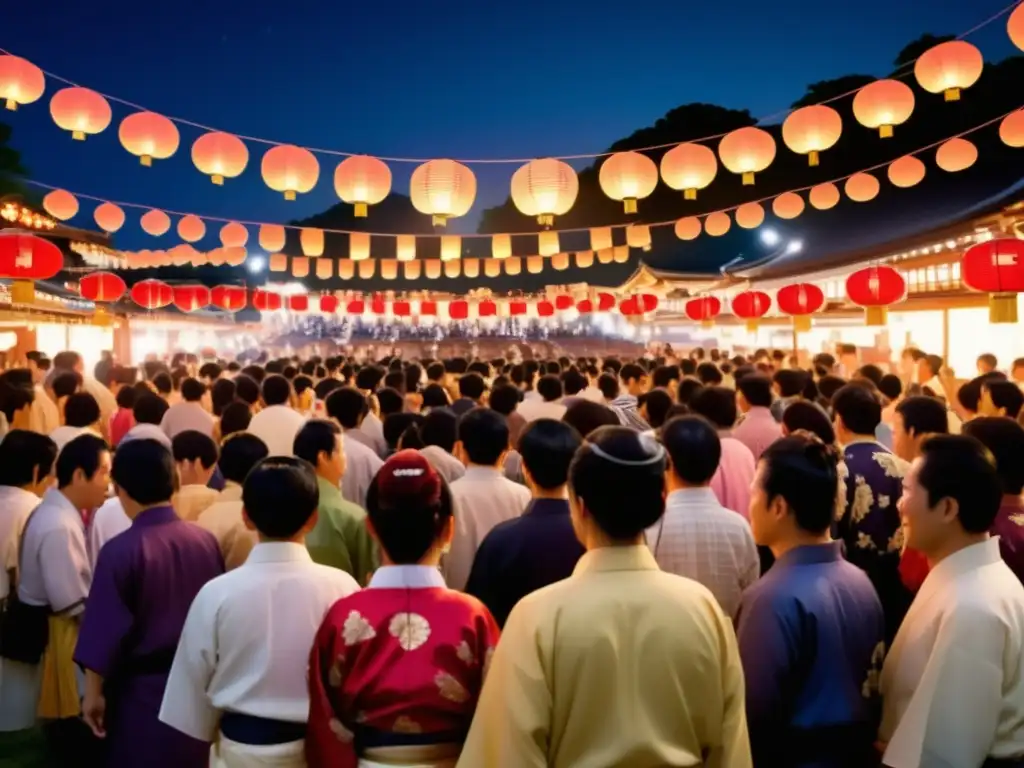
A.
x: 396, y: 669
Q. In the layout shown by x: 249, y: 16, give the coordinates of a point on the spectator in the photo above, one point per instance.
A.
x: 735, y: 472
x: 758, y: 428
x: 195, y: 455
x: 190, y: 414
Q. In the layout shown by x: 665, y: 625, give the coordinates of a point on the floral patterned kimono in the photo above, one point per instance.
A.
x: 395, y: 673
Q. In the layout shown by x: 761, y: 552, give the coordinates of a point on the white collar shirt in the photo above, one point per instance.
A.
x: 361, y: 467
x: 55, y: 568
x: 185, y: 417
x: 16, y: 504
x: 277, y: 426
x: 109, y: 520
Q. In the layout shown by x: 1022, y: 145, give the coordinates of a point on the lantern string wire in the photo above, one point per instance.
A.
x: 477, y: 235
x: 901, y: 72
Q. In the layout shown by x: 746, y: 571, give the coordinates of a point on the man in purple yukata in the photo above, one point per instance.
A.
x: 143, y: 585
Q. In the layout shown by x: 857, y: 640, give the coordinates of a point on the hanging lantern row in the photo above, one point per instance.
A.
x: 996, y: 267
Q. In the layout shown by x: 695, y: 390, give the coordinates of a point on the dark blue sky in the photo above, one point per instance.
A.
x: 457, y: 79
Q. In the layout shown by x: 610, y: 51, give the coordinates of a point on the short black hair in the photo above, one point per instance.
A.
x: 688, y: 367
x: 665, y: 374
x: 624, y: 496
x: 970, y: 393
x: 484, y: 436
x: 290, y: 372
x: 149, y: 409
x: 247, y: 389
x: 145, y: 471
x: 280, y: 495
x: 961, y: 468
x: 276, y: 389
x: 871, y: 372
x: 66, y: 384
x: 693, y: 445
x: 301, y: 383
x: 573, y: 381
x: 126, y: 397
x: 829, y: 385
x: 891, y: 386
x: 547, y: 447
x: 14, y: 397
x: 790, y: 382
x: 234, y: 367
x: 162, y: 382
x: 403, y: 425
x: 222, y: 394
x: 923, y: 415
x: 435, y: 396
x: 859, y: 408
x: 435, y: 372
x: 413, y: 376
x: 316, y: 436
x: 210, y: 370
x: 585, y: 416
x: 236, y: 418
x: 688, y: 387
x: 804, y: 471
x: 369, y: 377
x: 609, y: 386
x: 192, y: 445
x: 347, y: 406
x: 324, y: 387
x: 801, y: 415
x: 192, y: 390
x: 708, y: 373
x: 84, y: 453
x: 504, y: 399
x: 472, y: 386
x: 390, y: 401
x: 631, y: 371
x: 657, y: 405
x: 1005, y: 394
x: 239, y: 453
x: 81, y: 410
x: 441, y: 428
x: 395, y: 380
x: 254, y: 372
x: 1004, y: 438
x: 717, y: 405
x: 407, y: 527
x: 756, y: 389
x: 25, y: 457
x: 549, y: 387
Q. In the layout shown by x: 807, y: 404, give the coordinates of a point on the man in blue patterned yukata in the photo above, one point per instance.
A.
x: 870, y: 525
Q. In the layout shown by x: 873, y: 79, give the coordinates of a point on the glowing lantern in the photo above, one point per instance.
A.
x: 788, y: 205
x: 277, y: 262
x: 638, y: 236
x: 152, y: 294
x: 109, y: 217
x: 155, y: 223
x: 413, y: 270
x: 358, y: 246
x: 750, y: 215
x: 452, y: 268
x: 584, y: 259
x: 501, y: 246
x: 220, y: 156
x: 747, y: 151
x: 600, y: 238
x: 362, y: 181
x: 906, y: 171
x: 547, y: 243
x: 875, y: 288
x: 401, y: 308
x: 266, y: 301
x: 298, y: 303
x: 996, y: 267
x: 234, y: 235
x: 534, y: 264
x: 800, y: 300
x: 190, y: 298
x: 560, y: 261
x: 347, y: 269
x: 230, y: 298
x: 824, y: 196
x: 492, y: 268
x: 605, y: 302
x: 470, y: 268
x: 443, y: 189
x: 861, y: 187
x: 312, y: 241
x: 324, y: 269
x: 513, y: 266
x: 329, y: 304
x: 377, y: 305
x: 191, y: 229
x: 545, y: 309
x: 60, y: 204
x: 751, y: 306
x: 289, y: 169
x: 389, y: 269
x: 883, y: 104
x: 949, y: 67
x: 704, y: 310
x: 1011, y: 130
x: 21, y: 81
x: 149, y: 136
x: 356, y: 307
x: 458, y: 310
x: 27, y: 257
x: 300, y: 267
x: 272, y: 237
x: 216, y: 257
x: 606, y: 255
x: 235, y: 257
x: 956, y: 155
x: 367, y: 268
x: 628, y: 176
x: 688, y: 228
x: 689, y: 167
x: 487, y: 308
x: 451, y: 247
x: 620, y: 254
x: 585, y: 307
x: 811, y: 130
x: 80, y: 111
x: 638, y: 305
x: 428, y: 308
x: 717, y: 224
x: 405, y: 247
x: 545, y: 189
x: 517, y: 308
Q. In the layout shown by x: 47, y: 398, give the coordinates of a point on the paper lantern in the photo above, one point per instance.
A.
x: 155, y: 223
x: 875, y: 288
x: 811, y: 130
x: 234, y: 235
x: 266, y: 301
x: 628, y: 176
x: 362, y: 181
x: 230, y: 298
x: 861, y: 187
x: 824, y: 196
x: 149, y: 136
x: 606, y: 255
x: 517, y: 308
x: 60, y: 204
x: 750, y: 215
x: 277, y: 262
x: 563, y: 302
x: 458, y: 310
x: 152, y: 294
x: 1015, y: 27
x: 300, y: 267
x: 585, y: 307
x: 272, y: 237
x: 220, y: 156
x: 346, y: 269
x: 584, y: 259
x: 405, y: 247
x: 199, y: 259
x: 996, y: 267
x: 620, y: 254
x: 717, y: 224
x: 413, y: 270
x: 109, y: 217
x: 492, y: 268
x: 442, y: 189
x: 751, y: 306
x: 235, y: 257
x: 956, y: 155
x: 451, y: 247
x: 605, y: 302
x: 638, y: 305
x: 638, y: 236
x: 501, y: 246
x: 949, y: 67
x: 27, y: 257
x: 688, y: 228
x: 366, y: 269
x: 600, y: 238
x: 883, y: 104
x: 358, y: 246
x: 689, y: 167
x: 906, y: 171
x: 534, y: 264
x: 513, y: 265
x: 428, y: 308
x: 547, y: 243
x: 545, y: 188
x: 545, y: 309
x: 329, y: 304
x: 21, y: 81
x: 81, y: 111
x: 401, y: 308
x: 788, y: 205
x: 297, y: 303
x: 800, y: 300
x: 747, y: 151
x: 1011, y: 129
x: 216, y: 257
x: 471, y: 268
x: 487, y: 308
x: 191, y: 229
x: 356, y: 307
x: 389, y: 269
x: 560, y: 261
x: 190, y: 298
x: 290, y: 170
x: 312, y: 241
x: 324, y: 269
x: 377, y: 305
x: 703, y: 310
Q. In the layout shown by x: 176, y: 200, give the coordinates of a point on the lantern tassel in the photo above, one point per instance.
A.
x: 885, y: 131
x: 217, y: 179
x: 952, y: 94
x: 801, y: 323
x: 440, y: 220
x: 361, y: 210
x: 629, y: 205
x: 12, y: 105
x: 748, y: 179
x: 1002, y: 308
x: 78, y: 135
x: 146, y: 160
x: 876, y: 315
x: 752, y: 326
x: 708, y: 323
x: 813, y: 158
x: 289, y: 194
x: 689, y: 194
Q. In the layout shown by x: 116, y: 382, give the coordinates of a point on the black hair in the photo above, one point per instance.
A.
x: 290, y: 372
x: 891, y: 386
x: 1005, y: 394
x: 149, y: 409
x: 84, y: 453
x: 688, y: 367
x: 222, y: 394
x: 162, y: 383
x: 274, y: 367
x: 688, y: 387
x: 859, y: 408
x: 413, y: 375
x: 81, y: 410
x: 210, y: 371
x: 390, y: 400
x: 66, y: 384
x: 612, y: 364
x: 324, y: 387
x: 808, y: 417
x: 961, y: 468
x: 825, y: 360
x: 441, y: 428
x: 435, y: 372
x: 66, y: 360
x: 480, y: 367
x: 804, y: 471
x: 608, y: 383
x: 192, y: 445
x: 756, y: 389
x: 1004, y: 438
x: 308, y: 368
x: 347, y: 406
x: 145, y: 471
x: 254, y: 372
x: 24, y: 453
x: 406, y: 526
x: 239, y: 453
x: 708, y: 373
x: 665, y: 374
x: 923, y: 415
x: 970, y: 393
x: 693, y: 445
x: 549, y: 387
x: 126, y: 397
x: 192, y: 390
x: 407, y: 425
x: 484, y: 436
x: 504, y: 399
x: 456, y: 365
x: 234, y: 367
x: 547, y: 447
x: 235, y: 418
x: 472, y: 386
x: 631, y: 371
x: 276, y: 390
x: 435, y: 396
x: 829, y: 385
x: 301, y: 383
x: 14, y: 397
x: 790, y: 382
x: 585, y: 416
x: 657, y: 405
x: 395, y: 380
x: 717, y: 405
x: 369, y: 377
x: 280, y: 495
x: 573, y: 381
x: 316, y: 436
x: 871, y: 372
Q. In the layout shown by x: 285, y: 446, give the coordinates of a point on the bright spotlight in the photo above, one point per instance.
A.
x: 769, y: 237
x: 256, y: 264
x: 794, y: 246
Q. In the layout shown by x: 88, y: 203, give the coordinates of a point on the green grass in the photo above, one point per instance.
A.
x: 23, y: 749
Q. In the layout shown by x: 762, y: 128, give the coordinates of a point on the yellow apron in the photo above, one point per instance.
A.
x: 59, y: 696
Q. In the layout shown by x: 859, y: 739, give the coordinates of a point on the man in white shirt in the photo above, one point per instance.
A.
x: 45, y: 416
x: 483, y: 497
x: 697, y: 537
x: 348, y: 407
x: 278, y: 423
x: 190, y: 413
x: 952, y: 685
x: 240, y: 669
x: 371, y: 429
x: 549, y: 405
x: 195, y: 455
x: 81, y: 416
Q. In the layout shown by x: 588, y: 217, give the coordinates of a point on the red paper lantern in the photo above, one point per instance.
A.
x: 190, y: 298
x: 704, y: 310
x: 545, y: 309
x: 875, y: 288
x: 152, y: 294
x: 428, y: 308
x: 458, y: 310
x: 298, y: 303
x: 629, y: 307
x: 377, y: 305
x: 605, y: 302
x: 329, y: 304
x: 800, y: 300
x: 356, y: 307
x: 266, y: 301
x: 487, y: 308
x: 102, y: 287
x: 401, y: 309
x: 751, y: 306
x: 585, y: 307
x: 27, y: 257
x: 996, y: 267
x: 516, y: 308
x: 231, y: 298
x: 563, y: 301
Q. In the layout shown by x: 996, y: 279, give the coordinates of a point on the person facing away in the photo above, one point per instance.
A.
x: 472, y: 389
x: 549, y: 405
x: 1000, y: 398
x: 521, y: 555
x: 396, y: 669
x: 277, y: 423
x: 811, y: 631
x: 190, y: 413
x: 239, y: 453
x: 81, y: 416
x: 440, y: 432
x: 239, y: 673
x: 697, y: 537
x: 339, y: 538
x: 635, y: 381
x: 144, y: 582
x: 195, y: 456
x: 483, y: 497
x: 952, y: 688
x: 620, y: 664
x: 348, y: 406
x: 757, y: 428
x: 735, y: 473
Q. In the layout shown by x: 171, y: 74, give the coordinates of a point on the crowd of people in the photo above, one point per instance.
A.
x: 689, y: 560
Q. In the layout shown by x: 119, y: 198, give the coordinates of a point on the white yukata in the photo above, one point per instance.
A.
x: 953, y: 683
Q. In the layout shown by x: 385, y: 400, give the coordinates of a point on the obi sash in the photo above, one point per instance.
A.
x: 260, y: 731
x: 377, y: 749
x: 1003, y: 762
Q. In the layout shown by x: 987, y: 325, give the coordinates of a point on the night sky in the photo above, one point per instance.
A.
x: 459, y: 79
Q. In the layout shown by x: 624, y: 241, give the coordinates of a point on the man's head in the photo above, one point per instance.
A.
x: 27, y: 461
x: 81, y: 410
x: 635, y: 379
x: 192, y: 390
x: 1004, y: 439
x: 320, y: 443
x: 66, y: 383
x: 68, y: 361
x: 694, y: 450
x: 709, y: 374
x: 369, y: 378
x: 547, y: 447
x: 1017, y: 370
x: 144, y: 475
x: 504, y: 399
x: 441, y: 428
x: 550, y: 387
x: 83, y: 471
x: 717, y: 405
x: 656, y: 406
x: 16, y: 398
x: 239, y: 453
x: 347, y: 406
x: 483, y: 438
x: 149, y: 409
x: 280, y: 497
x: 276, y: 390
x: 196, y: 455
x: 666, y: 377
x: 858, y: 412
x: 753, y: 391
x: 987, y: 363
x: 915, y: 420
x: 1000, y: 398
x: 585, y: 416
x: 472, y: 387
x: 609, y: 386
x: 573, y: 381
